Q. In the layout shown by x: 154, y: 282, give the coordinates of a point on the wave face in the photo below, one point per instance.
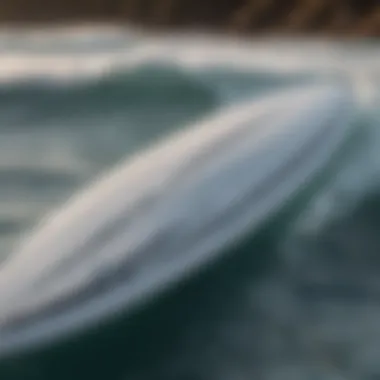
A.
x: 74, y: 102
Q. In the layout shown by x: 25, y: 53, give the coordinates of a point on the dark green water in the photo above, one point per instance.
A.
x: 72, y: 107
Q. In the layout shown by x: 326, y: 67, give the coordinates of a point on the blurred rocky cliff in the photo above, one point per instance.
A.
x: 348, y: 17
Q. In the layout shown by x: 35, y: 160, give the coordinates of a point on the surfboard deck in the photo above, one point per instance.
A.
x: 165, y: 217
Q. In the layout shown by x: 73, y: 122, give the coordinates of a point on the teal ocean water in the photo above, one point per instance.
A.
x: 74, y: 102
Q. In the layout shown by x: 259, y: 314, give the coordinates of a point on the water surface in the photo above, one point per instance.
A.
x: 72, y: 106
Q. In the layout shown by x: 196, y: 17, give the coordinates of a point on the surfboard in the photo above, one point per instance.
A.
x: 157, y: 219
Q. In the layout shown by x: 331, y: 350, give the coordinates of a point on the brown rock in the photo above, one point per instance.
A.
x: 352, y: 17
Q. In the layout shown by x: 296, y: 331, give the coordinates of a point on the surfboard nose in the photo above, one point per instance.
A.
x: 168, y: 211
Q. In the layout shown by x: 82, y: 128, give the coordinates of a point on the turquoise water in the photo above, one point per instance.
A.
x: 72, y: 105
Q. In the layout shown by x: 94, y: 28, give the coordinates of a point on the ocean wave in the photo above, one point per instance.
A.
x: 72, y: 105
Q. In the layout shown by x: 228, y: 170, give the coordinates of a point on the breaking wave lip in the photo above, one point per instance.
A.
x: 76, y: 53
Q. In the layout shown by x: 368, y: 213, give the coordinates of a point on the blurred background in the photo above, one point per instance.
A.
x: 348, y: 17
x: 85, y: 84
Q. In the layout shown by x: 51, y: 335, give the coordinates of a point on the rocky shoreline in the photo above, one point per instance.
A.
x: 342, y: 17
